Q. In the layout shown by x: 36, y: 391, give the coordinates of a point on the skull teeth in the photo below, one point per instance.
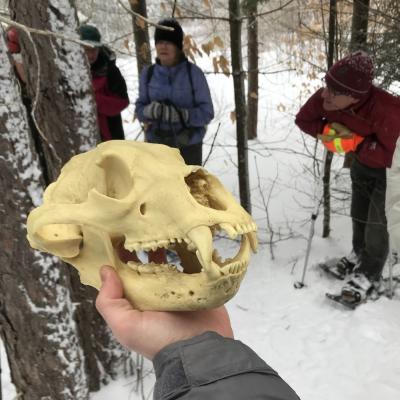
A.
x: 230, y: 230
x: 235, y: 268
x: 152, y: 268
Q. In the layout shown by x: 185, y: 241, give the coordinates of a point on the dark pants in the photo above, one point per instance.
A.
x: 370, y: 236
x: 193, y: 154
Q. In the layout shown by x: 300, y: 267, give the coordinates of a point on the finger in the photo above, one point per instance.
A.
x: 111, y: 284
x: 110, y: 302
x: 326, y: 138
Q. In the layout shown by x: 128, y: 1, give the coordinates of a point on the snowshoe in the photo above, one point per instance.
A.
x: 356, y: 291
x: 338, y: 268
x: 338, y: 298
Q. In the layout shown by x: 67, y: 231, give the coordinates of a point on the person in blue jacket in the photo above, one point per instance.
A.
x: 174, y: 102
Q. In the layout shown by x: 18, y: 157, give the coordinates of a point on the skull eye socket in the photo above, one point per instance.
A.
x: 206, y: 190
x: 142, y: 209
x: 117, y: 177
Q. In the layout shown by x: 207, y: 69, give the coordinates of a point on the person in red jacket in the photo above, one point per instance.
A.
x: 108, y: 83
x: 354, y: 104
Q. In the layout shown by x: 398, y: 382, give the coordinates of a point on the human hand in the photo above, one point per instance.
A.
x: 153, y: 110
x: 341, y: 130
x: 147, y: 332
x: 175, y: 115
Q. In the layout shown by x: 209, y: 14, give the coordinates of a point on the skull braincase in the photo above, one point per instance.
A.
x: 139, y: 196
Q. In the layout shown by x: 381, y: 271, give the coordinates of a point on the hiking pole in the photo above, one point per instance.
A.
x: 314, y: 216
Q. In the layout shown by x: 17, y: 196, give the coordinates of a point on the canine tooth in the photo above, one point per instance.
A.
x: 252, y: 236
x: 179, y: 240
x: 229, y: 229
x: 202, y: 238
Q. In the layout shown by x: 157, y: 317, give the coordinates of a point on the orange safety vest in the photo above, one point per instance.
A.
x: 339, y: 145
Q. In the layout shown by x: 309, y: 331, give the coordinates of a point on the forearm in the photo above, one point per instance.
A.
x: 211, y: 366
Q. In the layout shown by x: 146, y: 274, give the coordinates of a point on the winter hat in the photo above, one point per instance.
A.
x: 90, y: 34
x: 175, y: 36
x: 351, y: 75
x: 13, y: 40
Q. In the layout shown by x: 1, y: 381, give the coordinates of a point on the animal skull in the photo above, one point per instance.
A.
x: 139, y: 196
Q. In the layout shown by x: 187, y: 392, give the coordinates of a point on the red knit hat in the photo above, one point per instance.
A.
x: 351, y: 75
x: 13, y: 40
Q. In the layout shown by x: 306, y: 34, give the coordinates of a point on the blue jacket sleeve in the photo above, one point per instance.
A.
x: 142, y: 99
x: 210, y: 366
x: 203, y: 111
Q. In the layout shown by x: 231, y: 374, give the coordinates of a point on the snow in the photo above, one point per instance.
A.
x: 321, y: 350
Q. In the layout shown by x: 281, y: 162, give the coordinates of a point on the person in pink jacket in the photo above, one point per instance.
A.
x: 109, y: 85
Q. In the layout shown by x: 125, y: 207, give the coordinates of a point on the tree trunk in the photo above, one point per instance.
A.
x: 240, y: 102
x: 358, y: 41
x: 141, y: 35
x: 66, y: 117
x: 359, y: 25
x: 36, y: 311
x: 327, y: 167
x: 252, y: 75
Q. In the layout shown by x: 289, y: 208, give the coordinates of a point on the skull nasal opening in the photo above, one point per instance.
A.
x: 205, y: 189
x: 118, y: 179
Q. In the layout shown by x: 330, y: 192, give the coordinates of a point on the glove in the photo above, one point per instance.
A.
x: 342, y: 131
x: 153, y: 110
x: 175, y: 115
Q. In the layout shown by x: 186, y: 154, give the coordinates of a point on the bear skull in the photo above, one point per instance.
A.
x: 138, y: 196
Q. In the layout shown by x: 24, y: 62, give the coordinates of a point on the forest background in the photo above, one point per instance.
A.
x: 45, y: 314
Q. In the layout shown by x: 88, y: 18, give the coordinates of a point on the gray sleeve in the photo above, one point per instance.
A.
x: 210, y: 366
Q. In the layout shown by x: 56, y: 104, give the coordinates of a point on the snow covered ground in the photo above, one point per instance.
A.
x: 323, y: 351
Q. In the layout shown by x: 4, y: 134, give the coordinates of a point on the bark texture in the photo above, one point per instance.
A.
x: 240, y: 102
x: 141, y: 35
x: 252, y: 76
x: 359, y: 26
x: 326, y: 224
x: 58, y: 310
x: 36, y: 310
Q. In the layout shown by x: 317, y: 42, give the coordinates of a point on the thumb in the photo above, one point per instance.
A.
x: 111, y: 284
